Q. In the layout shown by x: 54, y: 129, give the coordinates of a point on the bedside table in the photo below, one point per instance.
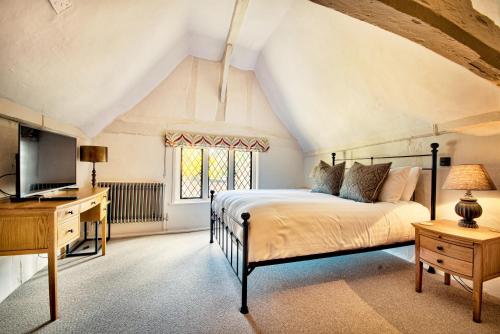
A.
x: 472, y: 253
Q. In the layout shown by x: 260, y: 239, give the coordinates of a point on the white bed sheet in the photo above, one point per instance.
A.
x: 288, y: 223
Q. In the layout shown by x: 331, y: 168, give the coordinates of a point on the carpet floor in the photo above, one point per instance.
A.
x: 181, y: 284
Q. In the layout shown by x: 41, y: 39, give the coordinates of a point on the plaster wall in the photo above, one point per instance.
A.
x: 462, y: 149
x: 335, y: 80
x: 188, y: 100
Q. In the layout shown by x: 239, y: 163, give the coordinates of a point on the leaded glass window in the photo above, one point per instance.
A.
x: 242, y: 170
x: 191, y: 173
x: 218, y: 169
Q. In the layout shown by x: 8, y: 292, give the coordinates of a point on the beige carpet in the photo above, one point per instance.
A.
x: 181, y: 284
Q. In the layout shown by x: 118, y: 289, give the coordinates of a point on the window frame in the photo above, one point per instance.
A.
x: 228, y: 154
x: 205, y: 198
x: 251, y: 168
x: 201, y: 176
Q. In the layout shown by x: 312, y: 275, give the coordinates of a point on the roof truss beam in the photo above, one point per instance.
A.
x: 451, y: 28
x: 240, y: 8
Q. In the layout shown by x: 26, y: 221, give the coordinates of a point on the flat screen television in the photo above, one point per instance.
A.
x: 46, y: 161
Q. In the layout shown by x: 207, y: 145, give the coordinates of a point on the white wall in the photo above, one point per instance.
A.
x: 188, y: 100
x: 462, y: 149
x: 15, y: 270
x: 337, y: 81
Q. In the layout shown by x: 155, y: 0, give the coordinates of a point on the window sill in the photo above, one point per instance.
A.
x: 190, y: 201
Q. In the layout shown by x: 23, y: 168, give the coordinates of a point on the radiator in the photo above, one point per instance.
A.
x: 135, y: 202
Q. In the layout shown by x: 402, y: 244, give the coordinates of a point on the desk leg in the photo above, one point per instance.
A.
x: 52, y: 257
x: 103, y: 234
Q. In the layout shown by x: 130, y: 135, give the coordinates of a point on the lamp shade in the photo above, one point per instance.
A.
x: 468, y: 177
x: 94, y: 153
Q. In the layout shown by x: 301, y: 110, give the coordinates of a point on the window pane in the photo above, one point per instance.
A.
x: 191, y: 172
x: 242, y: 170
x: 218, y: 169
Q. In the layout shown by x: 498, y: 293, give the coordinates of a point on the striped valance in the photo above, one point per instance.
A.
x: 174, y: 139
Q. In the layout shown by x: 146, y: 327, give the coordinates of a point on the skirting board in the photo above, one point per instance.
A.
x: 130, y: 235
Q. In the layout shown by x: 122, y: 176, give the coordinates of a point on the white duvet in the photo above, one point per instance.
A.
x: 288, y: 223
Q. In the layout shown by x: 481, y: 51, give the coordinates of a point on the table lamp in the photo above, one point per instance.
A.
x: 468, y: 177
x: 94, y: 154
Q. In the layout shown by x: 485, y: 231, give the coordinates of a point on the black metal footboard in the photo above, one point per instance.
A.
x: 232, y: 246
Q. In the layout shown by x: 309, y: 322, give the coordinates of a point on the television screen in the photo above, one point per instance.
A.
x: 46, y: 161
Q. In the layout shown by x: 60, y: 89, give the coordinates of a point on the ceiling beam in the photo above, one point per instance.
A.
x: 239, y: 11
x: 451, y: 28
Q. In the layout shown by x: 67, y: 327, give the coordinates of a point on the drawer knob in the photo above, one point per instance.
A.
x: 70, y: 212
x: 70, y: 231
x: 439, y: 261
x: 92, y: 203
x: 441, y: 248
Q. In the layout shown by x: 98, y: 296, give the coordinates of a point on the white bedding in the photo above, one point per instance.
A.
x: 288, y: 223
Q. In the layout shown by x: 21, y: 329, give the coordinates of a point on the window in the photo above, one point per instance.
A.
x: 218, y: 169
x: 191, y: 173
x: 200, y: 170
x: 242, y: 170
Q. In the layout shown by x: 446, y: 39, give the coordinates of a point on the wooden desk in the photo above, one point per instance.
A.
x: 472, y: 253
x: 34, y: 227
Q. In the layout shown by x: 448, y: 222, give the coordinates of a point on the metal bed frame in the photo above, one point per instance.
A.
x: 232, y: 246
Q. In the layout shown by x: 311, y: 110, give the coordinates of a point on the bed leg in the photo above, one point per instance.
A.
x: 244, y: 273
x: 211, y: 217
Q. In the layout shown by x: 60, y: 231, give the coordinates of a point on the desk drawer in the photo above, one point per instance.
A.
x: 447, y: 248
x: 446, y: 262
x: 104, y: 208
x: 68, y: 231
x: 68, y: 213
x: 89, y: 204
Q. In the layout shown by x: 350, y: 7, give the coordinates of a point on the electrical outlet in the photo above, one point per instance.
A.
x: 60, y: 5
x: 445, y: 161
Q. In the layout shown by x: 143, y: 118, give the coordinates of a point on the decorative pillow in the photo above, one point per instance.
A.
x: 411, y: 184
x: 363, y: 183
x: 327, y: 179
x: 394, y: 184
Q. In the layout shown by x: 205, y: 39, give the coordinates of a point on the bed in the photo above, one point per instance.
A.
x: 256, y: 228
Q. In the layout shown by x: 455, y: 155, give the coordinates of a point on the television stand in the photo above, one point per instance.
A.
x: 59, y: 198
x: 15, y: 199
x: 43, y: 199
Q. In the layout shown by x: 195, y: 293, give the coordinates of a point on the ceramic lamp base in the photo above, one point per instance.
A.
x: 468, y: 208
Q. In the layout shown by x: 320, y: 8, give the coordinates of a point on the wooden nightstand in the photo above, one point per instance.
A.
x: 466, y: 252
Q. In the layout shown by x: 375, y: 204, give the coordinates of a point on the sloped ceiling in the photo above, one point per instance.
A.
x: 334, y: 81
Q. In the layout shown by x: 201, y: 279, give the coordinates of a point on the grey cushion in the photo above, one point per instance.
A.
x: 363, y: 183
x: 328, y: 179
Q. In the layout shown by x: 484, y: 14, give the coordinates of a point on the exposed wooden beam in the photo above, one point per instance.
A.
x: 451, y: 28
x: 487, y: 124
x: 226, y: 60
x: 240, y: 8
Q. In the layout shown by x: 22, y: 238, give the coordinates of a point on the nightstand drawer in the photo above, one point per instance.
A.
x: 447, y: 248
x: 452, y: 239
x: 68, y: 232
x: 446, y: 262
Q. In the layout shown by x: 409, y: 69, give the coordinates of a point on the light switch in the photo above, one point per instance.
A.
x: 60, y: 5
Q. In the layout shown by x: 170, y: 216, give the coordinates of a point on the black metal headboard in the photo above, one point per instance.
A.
x: 433, y: 169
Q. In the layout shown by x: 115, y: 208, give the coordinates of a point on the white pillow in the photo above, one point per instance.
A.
x: 394, y: 184
x: 411, y: 184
